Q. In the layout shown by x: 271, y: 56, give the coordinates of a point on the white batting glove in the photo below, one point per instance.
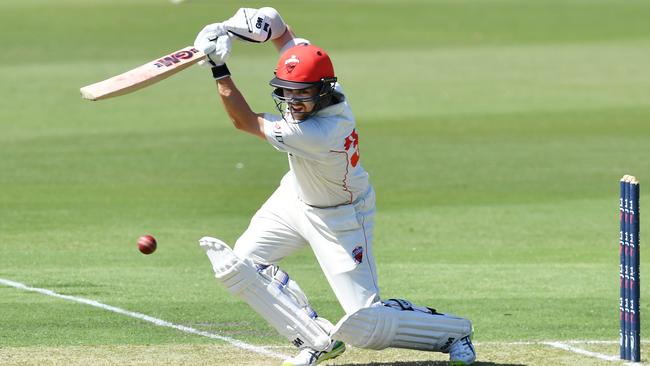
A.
x: 256, y: 25
x: 209, y: 34
x: 217, y: 50
x: 220, y: 50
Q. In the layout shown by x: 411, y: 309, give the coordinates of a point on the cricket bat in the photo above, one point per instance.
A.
x: 142, y: 76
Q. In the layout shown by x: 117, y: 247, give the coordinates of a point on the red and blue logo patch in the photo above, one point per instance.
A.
x: 357, y: 254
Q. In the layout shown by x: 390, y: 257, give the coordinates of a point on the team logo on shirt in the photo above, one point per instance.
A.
x: 357, y: 254
x: 291, y: 63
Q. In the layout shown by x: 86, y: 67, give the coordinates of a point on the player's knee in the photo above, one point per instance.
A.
x: 234, y: 272
x: 243, y: 248
x: 353, y: 302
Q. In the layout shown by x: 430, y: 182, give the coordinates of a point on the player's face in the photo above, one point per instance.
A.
x: 301, y: 101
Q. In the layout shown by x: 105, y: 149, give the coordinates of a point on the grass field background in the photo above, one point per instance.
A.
x: 494, y: 131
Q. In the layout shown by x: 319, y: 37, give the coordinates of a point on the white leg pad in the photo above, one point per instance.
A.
x: 270, y: 293
x: 380, y: 326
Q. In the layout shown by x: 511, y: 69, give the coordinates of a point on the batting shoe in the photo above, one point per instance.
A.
x: 310, y: 357
x: 462, y: 352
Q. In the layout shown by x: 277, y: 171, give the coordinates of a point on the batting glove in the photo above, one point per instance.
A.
x: 209, y: 33
x: 217, y: 46
x: 256, y: 25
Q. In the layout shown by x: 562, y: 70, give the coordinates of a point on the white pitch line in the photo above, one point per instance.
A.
x: 572, y: 341
x: 581, y: 351
x: 147, y: 318
x: 264, y: 351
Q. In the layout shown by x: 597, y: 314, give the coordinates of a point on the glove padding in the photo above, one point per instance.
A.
x: 214, y: 41
x: 256, y: 25
x: 223, y: 47
x: 209, y: 35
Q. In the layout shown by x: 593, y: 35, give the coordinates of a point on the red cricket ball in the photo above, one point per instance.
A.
x: 147, y: 244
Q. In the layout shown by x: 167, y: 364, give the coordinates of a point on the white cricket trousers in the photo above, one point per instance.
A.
x: 340, y: 237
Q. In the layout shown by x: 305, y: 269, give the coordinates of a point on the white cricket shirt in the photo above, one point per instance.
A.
x: 323, y: 152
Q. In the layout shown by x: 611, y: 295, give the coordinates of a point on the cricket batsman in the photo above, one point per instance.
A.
x: 325, y: 201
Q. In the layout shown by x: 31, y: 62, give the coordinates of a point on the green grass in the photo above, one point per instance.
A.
x: 494, y: 131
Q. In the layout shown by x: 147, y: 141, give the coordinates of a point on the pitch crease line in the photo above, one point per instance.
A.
x: 572, y: 341
x: 580, y: 351
x: 250, y: 347
x: 147, y: 318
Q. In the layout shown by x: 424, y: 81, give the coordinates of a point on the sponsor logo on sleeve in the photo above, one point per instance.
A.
x: 277, y: 133
x: 352, y: 146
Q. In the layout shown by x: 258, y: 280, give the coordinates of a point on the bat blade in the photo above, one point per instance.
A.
x: 142, y: 76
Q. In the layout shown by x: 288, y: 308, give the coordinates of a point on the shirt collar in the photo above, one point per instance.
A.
x: 332, y: 110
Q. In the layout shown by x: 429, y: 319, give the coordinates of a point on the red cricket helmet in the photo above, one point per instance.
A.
x: 303, y: 66
x: 300, y: 67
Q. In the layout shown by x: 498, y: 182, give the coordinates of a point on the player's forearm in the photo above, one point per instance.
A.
x: 240, y: 113
x: 287, y: 36
x: 288, y: 40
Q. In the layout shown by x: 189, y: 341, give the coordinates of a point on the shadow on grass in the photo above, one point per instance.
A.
x: 428, y: 363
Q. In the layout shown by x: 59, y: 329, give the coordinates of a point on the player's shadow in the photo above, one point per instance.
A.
x: 428, y: 363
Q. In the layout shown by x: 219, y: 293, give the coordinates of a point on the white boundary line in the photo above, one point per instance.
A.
x: 565, y: 345
x: 147, y: 318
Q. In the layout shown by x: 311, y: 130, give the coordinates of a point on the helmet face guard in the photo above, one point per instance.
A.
x: 321, y: 99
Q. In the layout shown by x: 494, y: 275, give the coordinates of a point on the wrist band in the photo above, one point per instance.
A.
x: 220, y: 72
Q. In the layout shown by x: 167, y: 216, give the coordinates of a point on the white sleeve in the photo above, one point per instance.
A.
x: 301, y: 139
x: 293, y: 42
